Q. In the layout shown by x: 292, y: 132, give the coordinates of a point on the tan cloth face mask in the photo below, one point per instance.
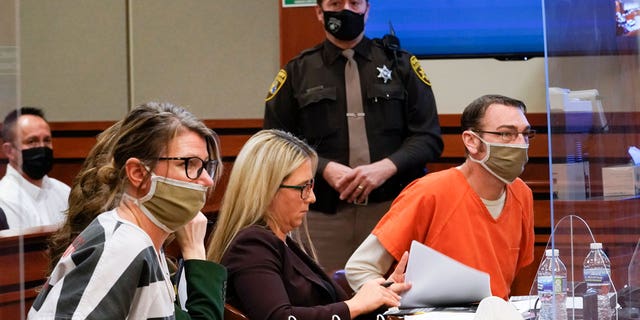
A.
x: 504, y: 161
x: 171, y: 203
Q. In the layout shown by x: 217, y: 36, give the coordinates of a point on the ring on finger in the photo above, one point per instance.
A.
x: 360, y: 187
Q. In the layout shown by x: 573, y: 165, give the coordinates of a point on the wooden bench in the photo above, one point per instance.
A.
x: 23, y: 263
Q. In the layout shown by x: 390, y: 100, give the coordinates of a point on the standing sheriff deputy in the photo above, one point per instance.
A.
x: 368, y: 109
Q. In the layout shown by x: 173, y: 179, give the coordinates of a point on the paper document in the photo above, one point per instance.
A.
x: 438, y: 280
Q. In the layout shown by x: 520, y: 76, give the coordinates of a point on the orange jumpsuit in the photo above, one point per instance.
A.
x: 443, y: 212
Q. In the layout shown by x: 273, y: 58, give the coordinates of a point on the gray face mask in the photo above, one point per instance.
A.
x: 504, y: 161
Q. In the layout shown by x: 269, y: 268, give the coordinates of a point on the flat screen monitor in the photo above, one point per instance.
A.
x: 508, y: 29
x: 592, y: 27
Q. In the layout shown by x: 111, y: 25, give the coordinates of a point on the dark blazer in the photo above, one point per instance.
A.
x: 268, y: 279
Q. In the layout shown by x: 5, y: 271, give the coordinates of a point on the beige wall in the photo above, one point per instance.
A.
x: 215, y: 57
x: 218, y: 58
x: 457, y: 82
x: 73, y: 58
x: 617, y: 78
x: 8, y: 56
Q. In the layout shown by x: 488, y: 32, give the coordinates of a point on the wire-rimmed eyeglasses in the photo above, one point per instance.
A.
x: 193, y: 166
x: 510, y: 135
x: 305, y: 189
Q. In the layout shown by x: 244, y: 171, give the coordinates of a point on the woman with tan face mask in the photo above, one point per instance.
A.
x: 155, y: 170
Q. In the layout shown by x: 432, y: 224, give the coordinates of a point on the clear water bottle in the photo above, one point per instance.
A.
x: 552, y: 287
x: 597, y: 271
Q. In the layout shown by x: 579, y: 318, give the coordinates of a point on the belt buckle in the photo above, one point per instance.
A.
x: 363, y: 203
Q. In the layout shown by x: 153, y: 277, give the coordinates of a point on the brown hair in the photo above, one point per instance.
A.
x: 143, y: 134
x: 474, y: 112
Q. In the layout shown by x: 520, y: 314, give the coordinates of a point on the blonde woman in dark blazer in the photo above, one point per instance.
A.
x: 270, y: 276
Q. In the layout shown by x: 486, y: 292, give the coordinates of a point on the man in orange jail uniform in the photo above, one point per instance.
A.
x: 479, y: 213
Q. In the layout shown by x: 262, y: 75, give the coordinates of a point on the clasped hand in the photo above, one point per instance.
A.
x: 354, y: 185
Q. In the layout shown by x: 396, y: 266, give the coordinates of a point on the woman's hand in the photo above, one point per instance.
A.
x: 191, y: 238
x: 378, y: 292
x: 371, y: 296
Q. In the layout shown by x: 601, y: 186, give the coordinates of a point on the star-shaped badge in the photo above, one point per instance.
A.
x: 385, y: 73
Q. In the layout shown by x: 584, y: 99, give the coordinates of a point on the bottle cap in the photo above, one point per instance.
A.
x: 552, y: 252
x: 595, y: 246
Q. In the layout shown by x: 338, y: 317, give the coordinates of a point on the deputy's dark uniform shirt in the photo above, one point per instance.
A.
x: 307, y: 98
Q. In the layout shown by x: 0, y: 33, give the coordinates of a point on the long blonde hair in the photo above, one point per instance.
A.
x: 266, y: 160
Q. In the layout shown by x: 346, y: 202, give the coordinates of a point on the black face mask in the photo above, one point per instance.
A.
x: 36, y: 162
x: 345, y: 25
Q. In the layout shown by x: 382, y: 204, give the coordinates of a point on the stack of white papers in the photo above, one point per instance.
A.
x: 438, y: 280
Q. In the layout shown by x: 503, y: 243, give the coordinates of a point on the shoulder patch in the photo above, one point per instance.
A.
x: 417, y: 68
x: 277, y: 83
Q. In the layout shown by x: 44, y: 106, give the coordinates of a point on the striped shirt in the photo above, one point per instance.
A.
x: 110, y: 271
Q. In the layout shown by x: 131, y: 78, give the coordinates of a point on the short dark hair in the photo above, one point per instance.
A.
x: 475, y: 111
x: 9, y: 123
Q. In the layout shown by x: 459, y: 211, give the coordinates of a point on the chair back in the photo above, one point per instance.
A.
x: 341, y: 279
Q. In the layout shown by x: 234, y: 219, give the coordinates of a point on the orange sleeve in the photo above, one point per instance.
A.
x: 398, y: 227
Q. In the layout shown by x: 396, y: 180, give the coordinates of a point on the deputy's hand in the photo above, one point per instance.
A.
x: 333, y: 173
x: 191, y: 238
x: 359, y: 182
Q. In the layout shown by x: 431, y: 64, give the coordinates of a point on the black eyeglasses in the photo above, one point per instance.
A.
x: 511, y: 135
x: 305, y: 189
x: 193, y: 166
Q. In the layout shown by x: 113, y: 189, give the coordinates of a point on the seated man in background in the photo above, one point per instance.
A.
x: 479, y: 213
x: 28, y: 196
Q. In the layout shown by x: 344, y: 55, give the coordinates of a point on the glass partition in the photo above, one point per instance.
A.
x: 634, y: 268
x: 593, y: 106
x: 19, y: 253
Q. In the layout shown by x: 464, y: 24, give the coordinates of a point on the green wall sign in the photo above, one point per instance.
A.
x: 298, y: 3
